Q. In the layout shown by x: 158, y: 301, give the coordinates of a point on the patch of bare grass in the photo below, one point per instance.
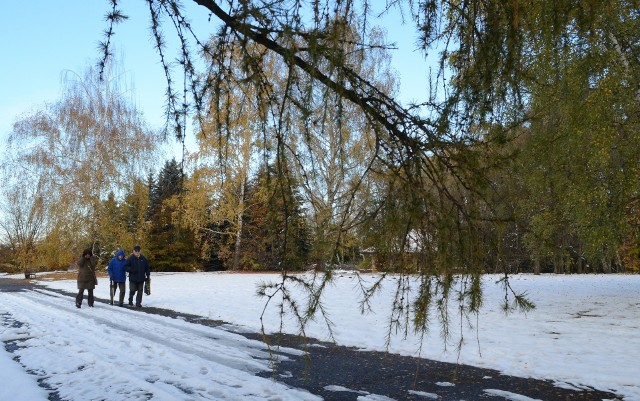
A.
x: 62, y: 275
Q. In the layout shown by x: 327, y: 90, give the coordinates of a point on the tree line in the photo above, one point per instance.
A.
x: 537, y: 173
x: 539, y: 212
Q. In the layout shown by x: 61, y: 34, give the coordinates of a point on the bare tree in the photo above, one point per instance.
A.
x: 25, y: 210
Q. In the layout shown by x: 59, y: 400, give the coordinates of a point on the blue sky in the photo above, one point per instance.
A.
x: 40, y: 39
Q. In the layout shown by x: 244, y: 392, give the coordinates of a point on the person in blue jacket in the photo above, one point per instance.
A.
x: 117, y: 276
x: 138, y: 268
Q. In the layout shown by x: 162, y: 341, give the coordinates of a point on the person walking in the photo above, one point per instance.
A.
x: 87, y: 279
x: 117, y: 276
x: 138, y: 268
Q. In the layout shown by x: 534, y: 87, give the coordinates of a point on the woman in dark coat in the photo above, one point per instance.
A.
x: 87, y: 279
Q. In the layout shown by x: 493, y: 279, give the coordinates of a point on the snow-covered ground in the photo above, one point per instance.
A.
x: 583, y: 332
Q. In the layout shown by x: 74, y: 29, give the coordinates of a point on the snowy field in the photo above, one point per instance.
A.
x: 583, y: 332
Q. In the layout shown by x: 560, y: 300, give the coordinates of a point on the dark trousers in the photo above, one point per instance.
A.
x: 123, y: 289
x: 81, y: 295
x: 136, y: 287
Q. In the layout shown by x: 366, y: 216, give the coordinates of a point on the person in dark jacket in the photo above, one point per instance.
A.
x: 117, y: 276
x: 138, y: 268
x: 87, y: 279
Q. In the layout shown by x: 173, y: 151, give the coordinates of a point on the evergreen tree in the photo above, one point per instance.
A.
x: 276, y: 235
x: 135, y: 214
x: 110, y: 227
x: 153, y: 201
x: 172, y: 247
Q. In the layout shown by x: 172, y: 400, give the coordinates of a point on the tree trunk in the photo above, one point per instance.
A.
x: 606, y: 265
x: 536, y: 266
x: 558, y: 267
x: 619, y: 265
x: 238, y: 245
x: 624, y: 60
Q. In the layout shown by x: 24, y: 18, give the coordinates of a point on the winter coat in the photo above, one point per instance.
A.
x: 116, y: 268
x: 138, y: 268
x: 87, y: 273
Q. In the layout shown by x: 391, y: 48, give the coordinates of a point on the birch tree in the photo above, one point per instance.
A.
x: 86, y: 145
x: 223, y: 163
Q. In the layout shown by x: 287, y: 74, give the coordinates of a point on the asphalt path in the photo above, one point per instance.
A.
x: 339, y: 373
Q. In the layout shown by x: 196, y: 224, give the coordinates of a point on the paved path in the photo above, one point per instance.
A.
x: 339, y: 373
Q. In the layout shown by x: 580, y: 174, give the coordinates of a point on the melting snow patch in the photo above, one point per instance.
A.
x: 510, y: 396
x: 430, y: 396
x: 570, y: 386
x: 444, y: 384
x: 340, y: 388
x: 374, y: 397
x: 23, y: 386
x: 12, y: 335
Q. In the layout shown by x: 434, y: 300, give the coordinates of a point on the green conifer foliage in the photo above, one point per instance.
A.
x: 171, y: 246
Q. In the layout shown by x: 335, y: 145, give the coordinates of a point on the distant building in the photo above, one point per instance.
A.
x: 410, y: 255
